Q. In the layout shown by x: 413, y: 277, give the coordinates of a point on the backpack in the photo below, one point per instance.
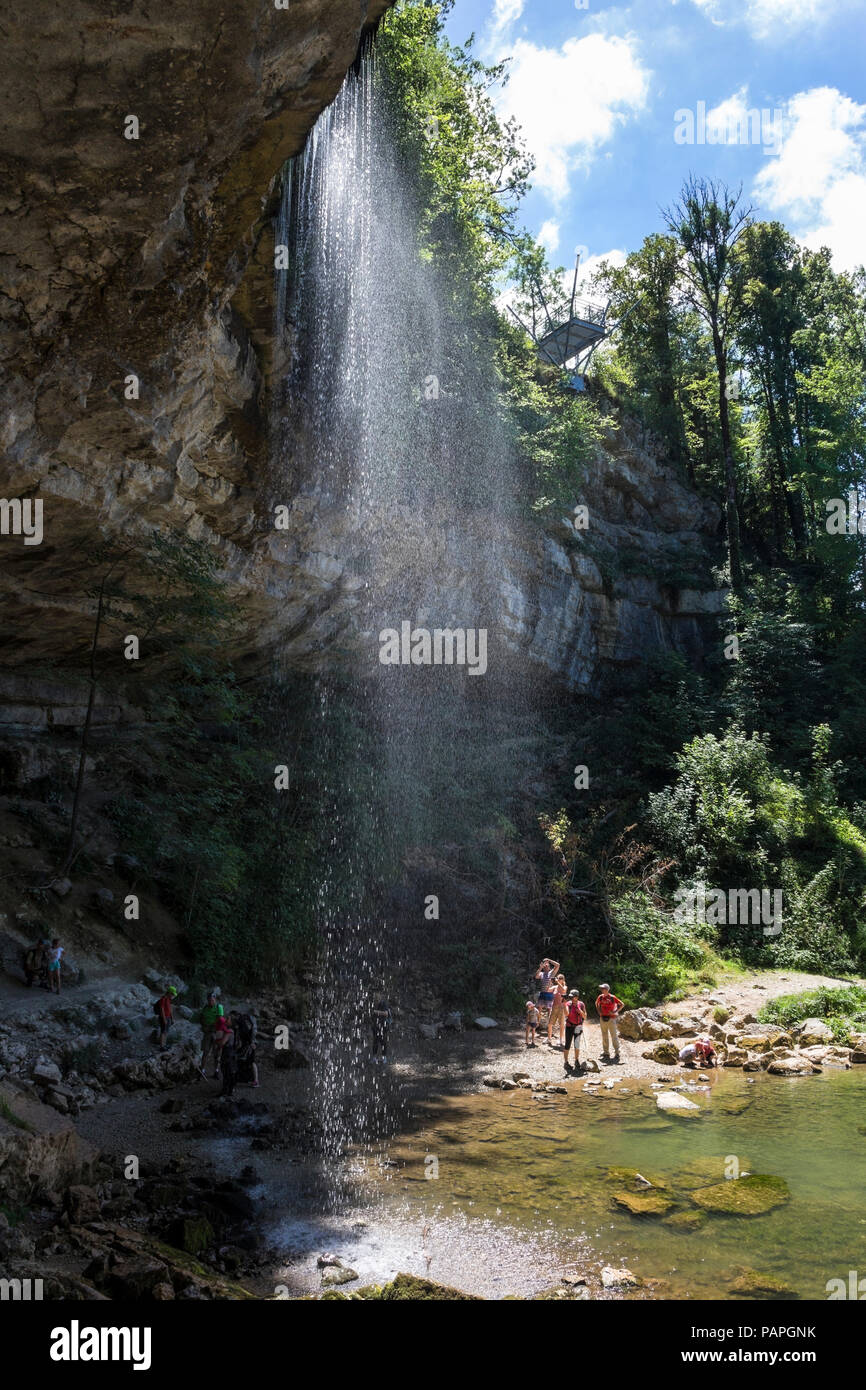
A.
x: 246, y: 1030
x: 157, y: 1009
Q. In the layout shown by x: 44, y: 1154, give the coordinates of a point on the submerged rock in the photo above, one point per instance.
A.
x: 679, y: 1105
x: 752, y: 1284
x: 644, y: 1203
x: 685, y: 1220
x: 748, y: 1196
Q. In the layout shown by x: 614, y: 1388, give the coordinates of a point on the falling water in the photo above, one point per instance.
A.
x: 389, y: 440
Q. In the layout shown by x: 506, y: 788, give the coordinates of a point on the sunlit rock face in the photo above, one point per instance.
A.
x: 153, y: 258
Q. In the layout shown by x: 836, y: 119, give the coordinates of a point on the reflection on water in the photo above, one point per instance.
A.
x: 537, y: 1172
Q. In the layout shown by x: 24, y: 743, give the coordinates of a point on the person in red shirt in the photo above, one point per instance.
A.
x: 607, y: 1007
x: 165, y: 1013
x: 574, y: 1020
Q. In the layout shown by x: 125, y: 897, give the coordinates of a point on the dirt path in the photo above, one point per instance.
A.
x: 473, y: 1055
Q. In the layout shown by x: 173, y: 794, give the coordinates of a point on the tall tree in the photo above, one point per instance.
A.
x: 708, y: 221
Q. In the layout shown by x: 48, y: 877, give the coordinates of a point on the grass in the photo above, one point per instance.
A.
x: 843, y: 1009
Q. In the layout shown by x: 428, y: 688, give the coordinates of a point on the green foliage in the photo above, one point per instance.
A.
x: 844, y: 1009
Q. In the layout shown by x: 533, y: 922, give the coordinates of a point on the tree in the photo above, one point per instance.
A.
x: 708, y: 221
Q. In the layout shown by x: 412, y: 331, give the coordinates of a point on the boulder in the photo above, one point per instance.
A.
x: 735, y: 1057
x: 430, y: 1030
x: 336, y: 1275
x: 453, y: 1023
x: 792, y: 1066
x: 666, y: 1052
x: 45, y: 1072
x: 747, y: 1196
x: 633, y: 1022
x: 40, y: 1151
x: 686, y: 1027
x: 612, y: 1278
x: 813, y: 1032
x: 484, y: 1022
x: 82, y: 1204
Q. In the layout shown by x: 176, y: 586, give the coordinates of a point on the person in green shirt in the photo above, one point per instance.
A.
x: 207, y: 1018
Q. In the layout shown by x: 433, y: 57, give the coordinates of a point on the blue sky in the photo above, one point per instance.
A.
x: 597, y: 91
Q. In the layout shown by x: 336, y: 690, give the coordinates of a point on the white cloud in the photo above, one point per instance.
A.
x: 548, y: 237
x: 504, y: 15
x: 817, y: 180
x: 769, y: 19
x: 571, y: 100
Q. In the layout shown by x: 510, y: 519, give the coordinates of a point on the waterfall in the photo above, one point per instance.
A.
x: 389, y: 435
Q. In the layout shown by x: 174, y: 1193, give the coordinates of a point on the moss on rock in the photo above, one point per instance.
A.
x: 751, y: 1196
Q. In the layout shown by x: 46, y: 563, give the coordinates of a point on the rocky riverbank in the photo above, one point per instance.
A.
x: 126, y: 1175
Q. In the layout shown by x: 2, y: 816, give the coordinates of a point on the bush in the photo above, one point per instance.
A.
x: 843, y: 1008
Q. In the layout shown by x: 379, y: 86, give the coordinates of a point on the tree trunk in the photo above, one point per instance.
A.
x: 732, y: 516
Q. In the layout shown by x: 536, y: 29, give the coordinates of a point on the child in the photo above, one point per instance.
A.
x: 54, y: 954
x: 531, y: 1022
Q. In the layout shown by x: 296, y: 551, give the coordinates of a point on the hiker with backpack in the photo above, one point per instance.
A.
x: 608, y: 1007
x: 226, y: 1041
x: 36, y: 963
x: 164, y: 1013
x: 574, y: 1020
x: 208, y: 1019
x: 245, y: 1048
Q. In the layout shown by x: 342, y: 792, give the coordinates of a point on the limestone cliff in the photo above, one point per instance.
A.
x: 151, y: 257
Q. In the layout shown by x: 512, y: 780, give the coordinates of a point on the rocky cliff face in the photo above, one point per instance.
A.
x: 144, y: 265
x: 128, y: 257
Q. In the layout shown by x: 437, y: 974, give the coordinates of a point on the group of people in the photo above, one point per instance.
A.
x: 42, y: 964
x: 228, y: 1040
x: 566, y: 1014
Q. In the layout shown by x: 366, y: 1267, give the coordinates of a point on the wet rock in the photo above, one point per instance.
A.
x: 506, y: 1085
x: 746, y: 1196
x: 685, y: 1220
x: 792, y: 1066
x: 612, y: 1278
x: 453, y: 1022
x: 61, y: 886
x: 752, y: 1284
x: 653, y: 1203
x: 162, y: 1293
x: 337, y: 1275
x: 735, y: 1057
x: 679, y: 1105
x: 430, y: 1030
